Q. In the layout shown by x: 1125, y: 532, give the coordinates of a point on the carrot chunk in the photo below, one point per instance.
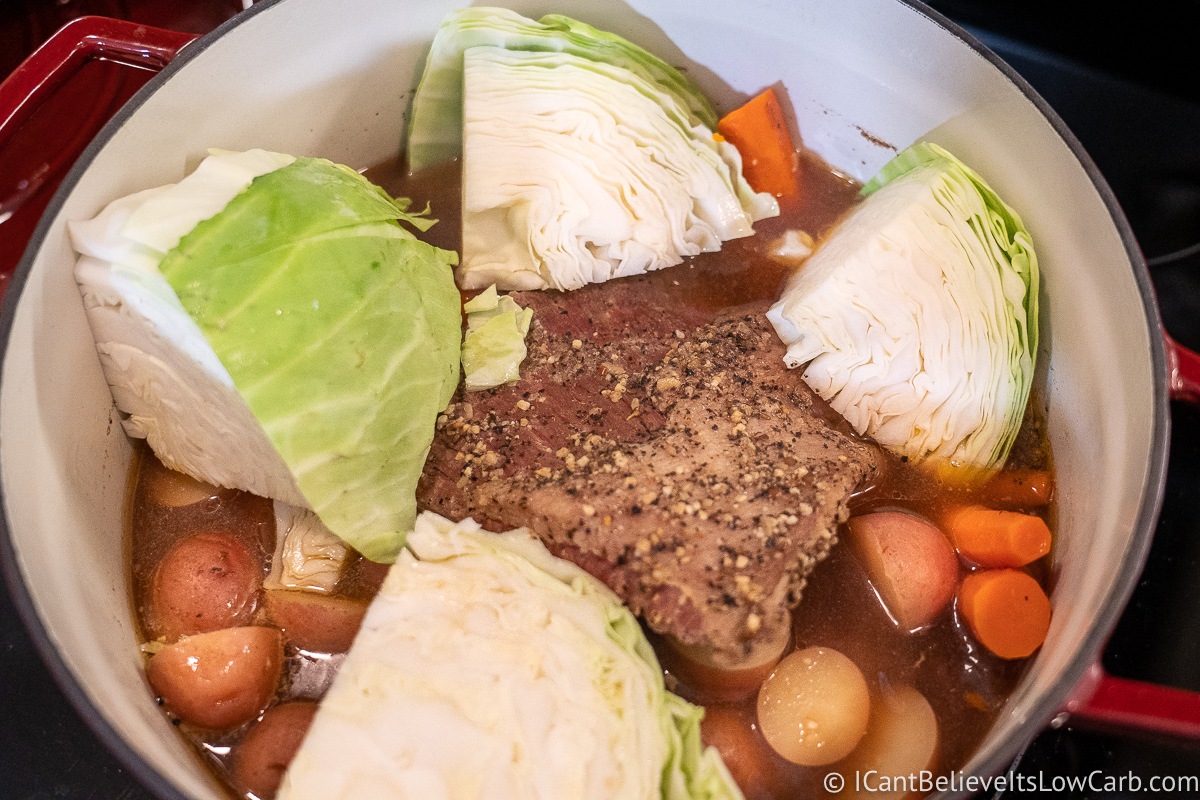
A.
x: 1007, y: 611
x: 992, y: 538
x: 1018, y: 488
x: 759, y: 132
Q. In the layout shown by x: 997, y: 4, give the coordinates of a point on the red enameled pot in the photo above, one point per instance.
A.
x: 319, y: 77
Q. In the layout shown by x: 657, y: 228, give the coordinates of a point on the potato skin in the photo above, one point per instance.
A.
x: 218, y: 680
x: 745, y: 753
x: 260, y: 760
x: 909, y: 561
x: 316, y: 622
x: 207, y: 581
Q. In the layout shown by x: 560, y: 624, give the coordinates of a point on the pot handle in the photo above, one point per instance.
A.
x: 1106, y: 701
x: 1183, y: 367
x: 73, y: 45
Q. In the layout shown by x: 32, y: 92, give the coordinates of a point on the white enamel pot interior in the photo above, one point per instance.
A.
x: 332, y: 78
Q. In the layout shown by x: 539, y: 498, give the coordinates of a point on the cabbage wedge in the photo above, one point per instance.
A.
x: 917, y: 319
x: 268, y: 325
x: 435, y: 132
x: 488, y: 668
x: 584, y: 157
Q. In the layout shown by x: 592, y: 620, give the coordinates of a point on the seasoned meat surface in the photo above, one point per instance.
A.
x: 671, y: 455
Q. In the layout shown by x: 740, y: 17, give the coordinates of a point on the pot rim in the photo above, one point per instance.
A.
x: 1005, y: 750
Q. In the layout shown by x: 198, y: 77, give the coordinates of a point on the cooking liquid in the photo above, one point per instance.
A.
x: 965, y: 684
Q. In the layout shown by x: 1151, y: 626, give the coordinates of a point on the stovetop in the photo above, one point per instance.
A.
x: 1138, y: 117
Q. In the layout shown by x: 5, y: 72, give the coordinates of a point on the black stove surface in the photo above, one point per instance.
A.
x: 1139, y: 118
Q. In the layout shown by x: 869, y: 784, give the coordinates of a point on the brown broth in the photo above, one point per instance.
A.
x: 965, y: 685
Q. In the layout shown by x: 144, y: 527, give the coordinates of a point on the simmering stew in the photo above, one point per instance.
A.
x: 199, y: 557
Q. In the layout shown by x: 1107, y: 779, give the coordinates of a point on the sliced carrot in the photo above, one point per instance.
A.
x: 1018, y: 488
x: 759, y: 131
x: 992, y: 538
x: 1007, y: 611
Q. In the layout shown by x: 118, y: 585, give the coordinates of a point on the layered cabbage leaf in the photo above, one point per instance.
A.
x: 494, y: 343
x: 487, y: 668
x: 435, y: 132
x: 584, y: 158
x: 917, y: 319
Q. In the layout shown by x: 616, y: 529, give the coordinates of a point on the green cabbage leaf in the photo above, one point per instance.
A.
x: 268, y: 325
x: 494, y: 344
x: 340, y: 330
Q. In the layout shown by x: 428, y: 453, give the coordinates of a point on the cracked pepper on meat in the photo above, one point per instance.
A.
x: 669, y: 453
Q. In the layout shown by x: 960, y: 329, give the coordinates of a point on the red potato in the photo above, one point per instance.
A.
x: 206, y: 582
x: 744, y: 752
x: 316, y: 622
x: 910, y: 563
x: 221, y: 679
x: 260, y: 760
